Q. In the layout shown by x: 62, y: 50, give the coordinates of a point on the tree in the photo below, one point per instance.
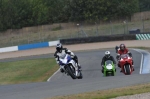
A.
x: 22, y: 13
x: 144, y: 5
x: 101, y: 9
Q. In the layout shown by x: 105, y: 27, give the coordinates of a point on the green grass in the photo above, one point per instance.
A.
x: 108, y: 94
x: 57, y: 28
x: 37, y: 70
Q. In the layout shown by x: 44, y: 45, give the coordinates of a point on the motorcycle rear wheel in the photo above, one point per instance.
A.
x: 110, y: 74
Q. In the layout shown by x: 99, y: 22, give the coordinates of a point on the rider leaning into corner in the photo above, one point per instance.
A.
x: 60, y: 51
x: 105, y: 58
x: 122, y: 50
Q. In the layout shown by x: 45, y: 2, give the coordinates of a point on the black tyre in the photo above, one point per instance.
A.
x: 109, y: 74
x: 112, y: 74
x: 127, y: 67
x: 70, y: 72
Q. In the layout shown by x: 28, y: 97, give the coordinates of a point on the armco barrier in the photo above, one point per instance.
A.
x: 9, y: 49
x: 98, y: 39
x: 32, y: 46
x: 29, y: 46
x: 143, y: 36
x: 53, y: 43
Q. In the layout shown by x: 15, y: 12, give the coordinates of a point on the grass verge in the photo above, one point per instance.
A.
x: 111, y: 93
x: 37, y: 70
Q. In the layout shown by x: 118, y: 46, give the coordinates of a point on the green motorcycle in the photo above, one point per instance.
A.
x: 109, y: 68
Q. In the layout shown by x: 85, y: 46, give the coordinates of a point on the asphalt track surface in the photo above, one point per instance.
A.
x: 61, y: 84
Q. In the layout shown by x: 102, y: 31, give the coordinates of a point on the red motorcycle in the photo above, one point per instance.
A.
x: 125, y: 63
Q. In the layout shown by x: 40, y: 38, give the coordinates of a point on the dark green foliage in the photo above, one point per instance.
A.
x: 21, y: 13
x: 101, y: 9
x: 144, y: 5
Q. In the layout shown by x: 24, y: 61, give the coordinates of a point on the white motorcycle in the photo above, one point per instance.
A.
x: 70, y: 66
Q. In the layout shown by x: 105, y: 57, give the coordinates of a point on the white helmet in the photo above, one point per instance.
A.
x: 107, y: 54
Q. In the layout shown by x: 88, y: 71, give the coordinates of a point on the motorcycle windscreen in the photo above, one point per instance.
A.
x: 124, y: 56
x: 108, y: 64
x: 64, y: 58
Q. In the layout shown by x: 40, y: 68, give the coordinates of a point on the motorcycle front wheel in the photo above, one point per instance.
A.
x: 70, y: 72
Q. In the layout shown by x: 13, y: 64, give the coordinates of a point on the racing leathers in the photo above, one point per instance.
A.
x: 125, y: 51
x: 57, y: 56
x: 105, y: 59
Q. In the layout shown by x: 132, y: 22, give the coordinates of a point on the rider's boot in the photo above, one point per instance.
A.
x: 120, y: 67
x: 79, y: 66
x: 66, y: 73
x: 61, y: 70
x: 133, y: 67
x: 102, y: 70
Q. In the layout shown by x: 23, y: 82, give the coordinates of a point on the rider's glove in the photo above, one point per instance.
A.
x: 60, y: 63
x: 72, y: 56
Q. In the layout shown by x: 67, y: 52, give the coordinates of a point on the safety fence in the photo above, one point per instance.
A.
x: 45, y: 33
x: 139, y: 36
x: 118, y: 37
x: 69, y: 41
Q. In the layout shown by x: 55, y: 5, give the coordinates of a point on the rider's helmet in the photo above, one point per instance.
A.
x: 59, y: 47
x: 107, y: 54
x: 122, y: 47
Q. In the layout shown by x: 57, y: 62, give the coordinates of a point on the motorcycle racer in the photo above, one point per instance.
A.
x: 105, y: 58
x: 60, y: 51
x: 122, y: 50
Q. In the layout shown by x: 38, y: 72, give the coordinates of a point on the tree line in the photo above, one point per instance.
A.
x: 15, y: 14
x: 144, y: 5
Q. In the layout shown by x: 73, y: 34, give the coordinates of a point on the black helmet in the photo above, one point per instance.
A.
x: 122, y: 47
x: 59, y: 47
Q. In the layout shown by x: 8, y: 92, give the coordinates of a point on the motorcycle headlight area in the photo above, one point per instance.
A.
x: 121, y: 59
x: 109, y: 66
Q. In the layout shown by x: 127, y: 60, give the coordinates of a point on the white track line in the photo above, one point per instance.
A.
x: 141, y: 60
x: 52, y: 76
